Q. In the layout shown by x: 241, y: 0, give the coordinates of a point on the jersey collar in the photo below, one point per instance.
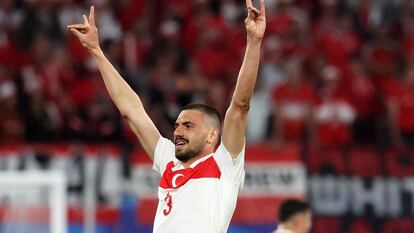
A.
x: 180, y: 165
x: 200, y: 160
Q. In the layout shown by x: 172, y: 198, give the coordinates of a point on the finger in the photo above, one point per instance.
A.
x: 85, y: 20
x: 92, y: 16
x: 77, y: 26
x: 76, y: 33
x: 255, y: 11
x: 263, y: 7
x: 249, y: 3
x: 249, y: 15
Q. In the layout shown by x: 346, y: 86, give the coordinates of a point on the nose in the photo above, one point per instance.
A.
x: 178, y: 132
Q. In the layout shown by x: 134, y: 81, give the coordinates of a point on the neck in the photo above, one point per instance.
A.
x: 288, y: 227
x: 199, y: 156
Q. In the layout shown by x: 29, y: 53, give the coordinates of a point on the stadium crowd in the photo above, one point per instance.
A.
x: 333, y: 72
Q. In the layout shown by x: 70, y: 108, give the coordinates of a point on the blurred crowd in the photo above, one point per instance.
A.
x: 333, y: 72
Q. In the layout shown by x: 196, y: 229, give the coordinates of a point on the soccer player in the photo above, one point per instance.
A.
x: 294, y: 217
x: 199, y: 186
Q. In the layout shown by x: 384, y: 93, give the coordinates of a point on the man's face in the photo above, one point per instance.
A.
x: 190, y: 135
x: 304, y: 221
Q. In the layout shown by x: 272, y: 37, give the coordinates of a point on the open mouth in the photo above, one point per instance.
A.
x: 180, y: 143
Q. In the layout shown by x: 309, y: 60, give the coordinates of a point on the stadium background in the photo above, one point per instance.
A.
x: 331, y: 120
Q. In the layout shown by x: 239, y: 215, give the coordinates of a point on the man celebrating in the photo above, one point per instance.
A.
x: 199, y: 186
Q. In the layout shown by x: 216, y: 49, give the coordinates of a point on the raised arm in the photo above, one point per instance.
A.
x: 236, y: 116
x: 125, y: 99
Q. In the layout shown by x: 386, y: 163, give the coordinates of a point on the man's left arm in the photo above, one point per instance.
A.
x: 235, y: 120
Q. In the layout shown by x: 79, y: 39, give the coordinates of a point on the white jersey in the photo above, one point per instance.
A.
x: 199, y: 199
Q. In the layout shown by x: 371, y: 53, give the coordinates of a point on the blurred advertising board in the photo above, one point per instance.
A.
x: 272, y: 175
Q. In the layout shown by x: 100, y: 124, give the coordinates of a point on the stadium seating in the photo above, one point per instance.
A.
x: 364, y: 162
x: 361, y: 226
x: 325, y: 224
x: 326, y: 161
x: 399, y: 163
x: 399, y: 226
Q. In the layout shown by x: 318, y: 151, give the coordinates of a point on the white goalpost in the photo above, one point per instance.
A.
x: 26, y: 196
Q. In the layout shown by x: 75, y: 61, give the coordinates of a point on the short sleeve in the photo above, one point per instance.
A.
x: 164, y: 153
x: 229, y: 167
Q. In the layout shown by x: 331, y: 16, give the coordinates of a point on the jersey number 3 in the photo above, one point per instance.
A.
x: 168, y: 200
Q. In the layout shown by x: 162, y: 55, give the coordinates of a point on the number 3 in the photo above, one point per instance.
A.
x: 168, y: 199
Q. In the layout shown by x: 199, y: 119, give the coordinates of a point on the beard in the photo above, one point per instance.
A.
x: 186, y: 155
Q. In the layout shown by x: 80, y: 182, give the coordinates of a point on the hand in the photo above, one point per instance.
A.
x: 87, y: 32
x: 255, y: 21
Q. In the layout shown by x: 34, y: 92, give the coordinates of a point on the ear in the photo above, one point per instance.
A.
x: 212, y: 136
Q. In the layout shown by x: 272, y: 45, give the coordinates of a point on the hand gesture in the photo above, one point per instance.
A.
x: 255, y: 21
x: 87, y: 32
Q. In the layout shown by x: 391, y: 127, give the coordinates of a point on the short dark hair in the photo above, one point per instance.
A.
x: 210, y: 111
x: 291, y: 207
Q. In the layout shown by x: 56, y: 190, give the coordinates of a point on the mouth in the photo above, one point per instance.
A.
x: 180, y: 143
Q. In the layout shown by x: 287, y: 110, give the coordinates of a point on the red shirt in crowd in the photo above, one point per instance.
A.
x: 294, y: 104
x: 338, y: 46
x: 334, y: 116
x: 403, y: 97
x: 364, y: 96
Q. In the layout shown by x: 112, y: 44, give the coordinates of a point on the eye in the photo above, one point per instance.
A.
x: 188, y: 126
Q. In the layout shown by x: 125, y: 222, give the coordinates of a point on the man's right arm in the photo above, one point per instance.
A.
x: 128, y: 103
x: 126, y: 100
